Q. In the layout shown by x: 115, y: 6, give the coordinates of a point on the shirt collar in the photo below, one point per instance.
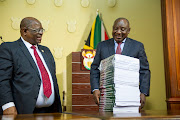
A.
x: 27, y: 44
x: 122, y: 41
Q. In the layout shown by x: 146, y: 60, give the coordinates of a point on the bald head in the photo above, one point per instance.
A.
x: 122, y: 19
x: 26, y: 22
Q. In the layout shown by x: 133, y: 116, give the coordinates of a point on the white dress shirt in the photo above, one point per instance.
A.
x: 42, y: 100
x: 122, y: 45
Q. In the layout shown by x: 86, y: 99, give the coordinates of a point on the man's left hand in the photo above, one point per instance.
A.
x: 142, y: 100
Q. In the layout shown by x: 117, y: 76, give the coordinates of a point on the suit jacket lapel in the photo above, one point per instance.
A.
x: 126, y: 47
x: 110, y: 45
x: 28, y: 55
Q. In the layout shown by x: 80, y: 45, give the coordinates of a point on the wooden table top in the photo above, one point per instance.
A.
x: 96, y: 116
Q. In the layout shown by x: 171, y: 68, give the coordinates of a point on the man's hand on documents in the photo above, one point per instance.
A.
x: 96, y: 96
x: 143, y: 100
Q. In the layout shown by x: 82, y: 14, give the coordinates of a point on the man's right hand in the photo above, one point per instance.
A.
x: 10, y: 111
x: 96, y: 96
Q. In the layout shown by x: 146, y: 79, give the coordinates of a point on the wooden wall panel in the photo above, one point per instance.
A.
x: 176, y: 15
x: 171, y: 42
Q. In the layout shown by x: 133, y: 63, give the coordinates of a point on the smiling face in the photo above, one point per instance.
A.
x: 121, y: 29
x: 29, y: 30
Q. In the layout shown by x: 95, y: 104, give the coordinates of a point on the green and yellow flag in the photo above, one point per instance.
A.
x: 96, y: 35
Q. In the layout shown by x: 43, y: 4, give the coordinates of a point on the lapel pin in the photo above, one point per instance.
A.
x: 42, y: 50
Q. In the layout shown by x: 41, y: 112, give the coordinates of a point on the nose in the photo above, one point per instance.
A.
x: 119, y: 31
x: 41, y: 32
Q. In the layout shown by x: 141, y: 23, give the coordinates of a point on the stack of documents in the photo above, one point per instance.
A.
x: 107, y: 97
x: 119, y: 84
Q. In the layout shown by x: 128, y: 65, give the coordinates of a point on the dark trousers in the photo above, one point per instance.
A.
x: 1, y: 111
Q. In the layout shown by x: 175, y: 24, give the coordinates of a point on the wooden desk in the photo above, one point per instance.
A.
x: 98, y: 116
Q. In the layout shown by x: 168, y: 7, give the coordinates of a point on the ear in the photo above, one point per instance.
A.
x: 24, y: 31
x: 129, y: 30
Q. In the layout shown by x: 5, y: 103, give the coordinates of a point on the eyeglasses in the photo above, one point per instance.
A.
x: 37, y: 30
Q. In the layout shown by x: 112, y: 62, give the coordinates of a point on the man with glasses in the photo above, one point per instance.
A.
x: 28, y: 82
x: 121, y: 44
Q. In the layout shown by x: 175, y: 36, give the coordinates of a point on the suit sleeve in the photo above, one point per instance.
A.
x: 95, y: 73
x: 144, y: 71
x: 6, y: 73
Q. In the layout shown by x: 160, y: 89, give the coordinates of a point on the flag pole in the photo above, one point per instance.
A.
x: 97, y: 11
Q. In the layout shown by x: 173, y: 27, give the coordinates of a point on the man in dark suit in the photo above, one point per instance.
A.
x: 28, y: 82
x: 128, y: 47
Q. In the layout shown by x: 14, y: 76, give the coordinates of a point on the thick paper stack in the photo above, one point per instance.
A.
x: 119, y: 84
x: 107, y: 97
